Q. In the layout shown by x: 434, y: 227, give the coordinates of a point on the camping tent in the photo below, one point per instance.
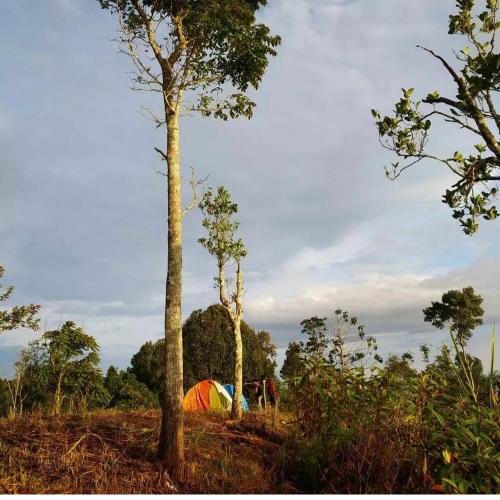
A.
x: 207, y: 395
x: 230, y: 390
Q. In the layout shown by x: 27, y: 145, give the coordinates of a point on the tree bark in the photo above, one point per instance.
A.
x: 236, y: 408
x: 56, y: 408
x: 171, y: 443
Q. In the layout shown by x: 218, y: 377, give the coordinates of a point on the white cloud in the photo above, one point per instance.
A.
x: 391, y: 302
x: 347, y: 249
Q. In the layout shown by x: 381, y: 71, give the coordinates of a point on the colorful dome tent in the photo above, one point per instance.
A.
x: 207, y: 395
x: 230, y: 390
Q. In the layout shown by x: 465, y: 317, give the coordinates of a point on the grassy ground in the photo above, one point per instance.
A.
x: 114, y: 452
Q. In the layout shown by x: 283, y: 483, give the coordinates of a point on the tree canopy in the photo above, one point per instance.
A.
x: 67, y: 361
x: 125, y: 391
x: 293, y: 366
x: 146, y: 365
x: 221, y: 242
x: 461, y: 310
x: 339, y: 343
x: 18, y: 316
x: 209, y: 348
x: 208, y: 351
x: 316, y: 331
x: 472, y: 110
x: 202, y: 46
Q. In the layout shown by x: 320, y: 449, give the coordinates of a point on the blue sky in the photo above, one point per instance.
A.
x: 83, y: 211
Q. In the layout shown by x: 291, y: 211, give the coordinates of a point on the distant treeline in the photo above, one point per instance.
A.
x: 60, y: 371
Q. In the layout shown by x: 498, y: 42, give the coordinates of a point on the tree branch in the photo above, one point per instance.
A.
x: 445, y: 100
x: 195, y: 199
x: 451, y: 118
x: 492, y: 109
x: 471, y: 105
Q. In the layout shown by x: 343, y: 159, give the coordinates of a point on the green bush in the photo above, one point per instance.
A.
x: 350, y: 418
x: 459, y: 440
x: 126, y: 392
x: 391, y: 430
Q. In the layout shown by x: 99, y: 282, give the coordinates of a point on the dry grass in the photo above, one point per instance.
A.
x: 114, y: 452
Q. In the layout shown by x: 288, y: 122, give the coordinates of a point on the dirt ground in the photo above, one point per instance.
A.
x: 114, y: 452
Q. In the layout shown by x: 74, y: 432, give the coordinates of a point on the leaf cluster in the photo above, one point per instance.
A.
x: 340, y: 344
x: 202, y: 46
x: 68, y: 346
x: 461, y: 310
x: 18, y: 316
x: 459, y: 435
x: 221, y: 227
x: 473, y: 110
x: 293, y: 365
x: 126, y: 392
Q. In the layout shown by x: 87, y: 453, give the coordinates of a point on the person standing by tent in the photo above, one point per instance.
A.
x: 263, y: 389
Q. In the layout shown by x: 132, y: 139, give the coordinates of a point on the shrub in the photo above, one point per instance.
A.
x: 126, y: 392
x: 391, y: 430
x: 350, y: 432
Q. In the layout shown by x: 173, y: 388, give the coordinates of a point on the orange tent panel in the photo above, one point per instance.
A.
x: 207, y: 395
x: 198, y: 397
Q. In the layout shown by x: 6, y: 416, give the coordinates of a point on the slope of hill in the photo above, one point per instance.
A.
x: 113, y: 452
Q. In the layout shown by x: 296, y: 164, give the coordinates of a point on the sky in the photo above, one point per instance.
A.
x: 83, y: 210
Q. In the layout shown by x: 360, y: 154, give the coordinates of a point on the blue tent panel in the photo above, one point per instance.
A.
x: 230, y: 389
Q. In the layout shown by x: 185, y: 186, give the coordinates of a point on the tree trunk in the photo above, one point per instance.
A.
x: 171, y: 444
x: 236, y: 409
x: 56, y: 407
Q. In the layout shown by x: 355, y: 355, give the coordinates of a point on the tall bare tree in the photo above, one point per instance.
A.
x: 472, y: 110
x: 221, y: 243
x: 199, y: 55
